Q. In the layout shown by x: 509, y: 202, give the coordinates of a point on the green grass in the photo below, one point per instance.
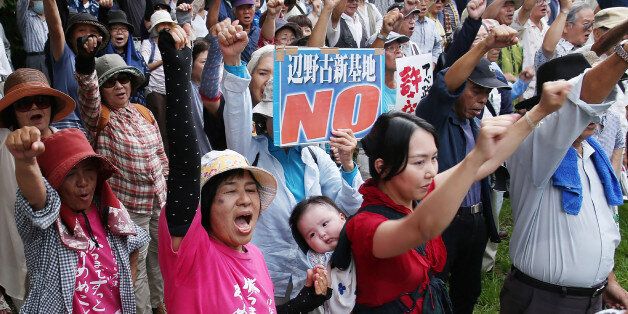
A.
x: 492, y: 281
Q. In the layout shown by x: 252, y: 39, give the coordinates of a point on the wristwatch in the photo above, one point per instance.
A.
x: 382, y: 37
x: 621, y: 52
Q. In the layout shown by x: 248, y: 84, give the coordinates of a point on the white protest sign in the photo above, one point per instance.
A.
x: 414, y: 79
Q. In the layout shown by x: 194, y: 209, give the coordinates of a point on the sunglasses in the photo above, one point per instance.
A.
x: 121, y: 78
x: 25, y: 104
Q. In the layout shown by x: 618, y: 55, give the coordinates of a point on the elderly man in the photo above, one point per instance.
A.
x: 568, y: 32
x: 458, y: 96
x: 562, y: 189
x: 346, y: 29
x: 34, y: 31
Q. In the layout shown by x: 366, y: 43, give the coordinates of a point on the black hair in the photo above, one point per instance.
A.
x: 9, y: 119
x: 301, y: 20
x: 200, y: 45
x: 208, y: 193
x: 300, y: 42
x: 389, y: 139
x: 298, y: 212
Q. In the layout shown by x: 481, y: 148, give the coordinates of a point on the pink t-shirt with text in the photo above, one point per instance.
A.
x: 206, y: 276
x: 97, y: 287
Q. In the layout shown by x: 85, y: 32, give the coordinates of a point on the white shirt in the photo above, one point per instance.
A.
x: 531, y: 40
x: 198, y: 25
x: 547, y: 243
x: 355, y: 27
x: 157, y: 81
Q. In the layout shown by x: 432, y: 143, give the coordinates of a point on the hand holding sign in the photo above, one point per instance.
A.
x: 343, y: 143
x: 232, y: 40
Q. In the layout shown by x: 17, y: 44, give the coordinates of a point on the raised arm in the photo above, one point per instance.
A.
x: 317, y: 38
x: 25, y: 145
x: 613, y: 36
x: 601, y: 79
x: 55, y: 29
x: 553, y: 97
x: 555, y: 32
x: 524, y: 13
x: 273, y: 7
x: 499, y: 37
x: 210, y: 80
x: 185, y: 160
x: 390, y: 21
x: 89, y: 103
x: 212, y: 13
x: 238, y: 105
x: 436, y: 211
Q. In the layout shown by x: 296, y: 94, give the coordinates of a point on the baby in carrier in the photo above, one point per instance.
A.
x: 317, y: 226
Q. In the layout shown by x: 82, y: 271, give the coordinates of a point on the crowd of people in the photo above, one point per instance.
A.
x: 139, y: 174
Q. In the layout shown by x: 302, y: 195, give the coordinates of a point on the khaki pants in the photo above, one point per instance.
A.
x: 149, y: 286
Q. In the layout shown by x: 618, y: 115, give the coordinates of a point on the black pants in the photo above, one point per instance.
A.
x: 465, y: 239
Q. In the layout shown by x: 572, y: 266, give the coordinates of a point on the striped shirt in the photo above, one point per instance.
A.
x: 132, y: 144
x: 33, y: 28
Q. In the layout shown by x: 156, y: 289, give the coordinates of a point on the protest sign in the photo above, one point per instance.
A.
x: 414, y: 79
x: 319, y: 89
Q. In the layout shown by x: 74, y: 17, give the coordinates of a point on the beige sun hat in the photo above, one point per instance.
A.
x: 219, y: 161
x: 157, y: 18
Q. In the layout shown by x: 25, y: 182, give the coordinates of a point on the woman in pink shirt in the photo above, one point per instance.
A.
x: 207, y: 261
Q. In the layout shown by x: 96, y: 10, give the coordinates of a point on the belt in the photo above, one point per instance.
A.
x: 570, y: 291
x: 36, y: 53
x: 473, y: 209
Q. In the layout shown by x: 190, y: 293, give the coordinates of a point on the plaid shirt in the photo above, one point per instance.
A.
x: 132, y: 144
x: 52, y: 266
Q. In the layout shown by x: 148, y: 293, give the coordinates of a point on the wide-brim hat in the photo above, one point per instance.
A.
x: 66, y: 149
x: 27, y: 82
x: 217, y: 162
x: 562, y: 68
x: 112, y: 64
x: 86, y: 18
x: 484, y: 76
x: 157, y: 18
x: 119, y: 17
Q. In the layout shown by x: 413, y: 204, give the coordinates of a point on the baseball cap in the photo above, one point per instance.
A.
x: 484, y: 76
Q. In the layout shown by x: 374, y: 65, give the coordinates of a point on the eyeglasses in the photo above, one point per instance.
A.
x: 393, y: 48
x: 122, y: 78
x: 25, y: 104
x: 587, y: 26
x: 119, y: 29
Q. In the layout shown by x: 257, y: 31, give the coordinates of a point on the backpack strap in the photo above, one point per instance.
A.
x: 152, y: 51
x: 105, y: 114
x: 309, y: 148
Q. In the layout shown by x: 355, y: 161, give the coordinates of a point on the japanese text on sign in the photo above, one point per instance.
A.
x: 316, y: 91
x: 414, y: 78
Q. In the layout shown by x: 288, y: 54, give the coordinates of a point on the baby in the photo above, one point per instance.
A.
x: 316, y: 223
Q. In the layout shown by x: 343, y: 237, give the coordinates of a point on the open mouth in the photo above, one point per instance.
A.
x: 243, y: 222
x: 36, y: 117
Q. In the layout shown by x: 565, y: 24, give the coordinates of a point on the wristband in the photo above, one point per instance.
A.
x: 621, y: 52
x: 530, y: 123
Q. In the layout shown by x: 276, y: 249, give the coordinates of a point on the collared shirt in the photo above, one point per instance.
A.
x: 609, y: 133
x: 562, y: 48
x: 530, y: 37
x: 531, y: 40
x: 355, y: 27
x: 547, y: 243
x: 52, y: 266
x: 410, y: 49
x: 132, y: 144
x: 33, y: 28
x: 426, y: 36
x: 437, y: 108
x: 157, y: 80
